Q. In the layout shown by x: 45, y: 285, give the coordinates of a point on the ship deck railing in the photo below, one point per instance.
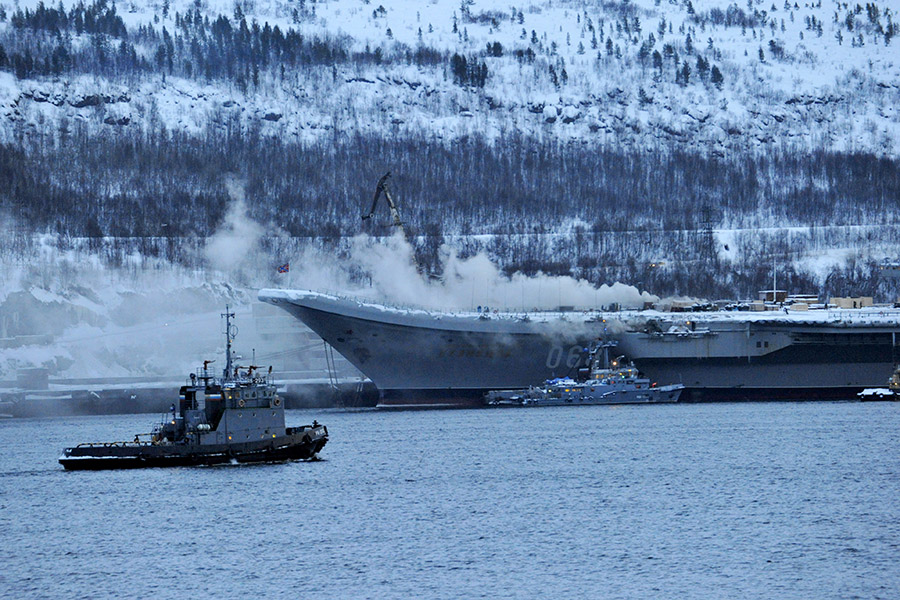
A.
x: 114, y: 444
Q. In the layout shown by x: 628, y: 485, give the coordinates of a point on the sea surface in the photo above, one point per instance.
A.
x: 762, y: 500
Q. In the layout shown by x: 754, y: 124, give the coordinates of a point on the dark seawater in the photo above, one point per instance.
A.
x: 689, y: 501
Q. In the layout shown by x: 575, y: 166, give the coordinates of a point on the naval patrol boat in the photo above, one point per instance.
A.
x: 608, y: 381
x: 236, y: 418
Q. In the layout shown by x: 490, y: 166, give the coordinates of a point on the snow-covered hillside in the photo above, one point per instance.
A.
x: 639, y: 73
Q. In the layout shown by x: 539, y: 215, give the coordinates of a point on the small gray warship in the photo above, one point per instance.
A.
x: 235, y: 418
x: 606, y: 381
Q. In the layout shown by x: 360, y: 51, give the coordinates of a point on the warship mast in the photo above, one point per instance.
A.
x: 229, y: 333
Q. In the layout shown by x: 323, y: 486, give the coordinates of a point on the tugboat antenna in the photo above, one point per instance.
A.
x: 228, y: 333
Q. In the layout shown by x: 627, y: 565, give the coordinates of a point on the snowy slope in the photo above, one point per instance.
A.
x: 818, y: 92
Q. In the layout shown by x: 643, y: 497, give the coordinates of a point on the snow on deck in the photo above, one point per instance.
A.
x: 874, y: 315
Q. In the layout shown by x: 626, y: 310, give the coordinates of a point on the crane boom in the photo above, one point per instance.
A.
x: 382, y: 187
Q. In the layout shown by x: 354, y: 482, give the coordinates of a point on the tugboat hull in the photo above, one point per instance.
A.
x: 298, y: 444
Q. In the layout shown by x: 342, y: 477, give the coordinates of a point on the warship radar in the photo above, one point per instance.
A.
x: 237, y: 417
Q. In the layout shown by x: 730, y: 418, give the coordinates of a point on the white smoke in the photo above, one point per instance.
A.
x: 63, y: 306
x: 80, y: 308
x: 390, y: 275
x: 235, y: 243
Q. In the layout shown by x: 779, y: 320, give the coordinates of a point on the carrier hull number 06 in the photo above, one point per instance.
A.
x: 557, y: 354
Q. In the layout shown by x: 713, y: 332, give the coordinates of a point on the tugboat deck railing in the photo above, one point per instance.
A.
x: 113, y: 444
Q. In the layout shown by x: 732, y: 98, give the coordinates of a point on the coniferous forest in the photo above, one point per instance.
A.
x: 622, y: 211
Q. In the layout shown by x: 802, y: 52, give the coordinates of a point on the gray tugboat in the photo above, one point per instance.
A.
x: 235, y: 418
x: 607, y: 381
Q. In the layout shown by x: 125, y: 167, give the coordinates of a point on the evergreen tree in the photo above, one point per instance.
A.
x: 685, y: 73
x: 458, y: 66
x: 702, y: 67
x: 643, y: 98
x: 644, y: 53
x: 715, y: 77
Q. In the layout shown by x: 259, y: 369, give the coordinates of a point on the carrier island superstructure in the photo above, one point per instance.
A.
x: 430, y: 358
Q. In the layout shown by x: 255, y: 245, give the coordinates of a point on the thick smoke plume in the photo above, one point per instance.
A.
x: 65, y: 306
x: 388, y: 273
x: 234, y: 245
x: 78, y: 309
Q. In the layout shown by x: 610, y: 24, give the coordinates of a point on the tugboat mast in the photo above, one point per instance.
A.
x: 228, y: 335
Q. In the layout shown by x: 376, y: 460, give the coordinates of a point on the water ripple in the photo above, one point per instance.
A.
x: 695, y: 501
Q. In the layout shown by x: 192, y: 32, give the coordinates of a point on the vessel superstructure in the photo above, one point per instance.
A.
x: 606, y: 381
x: 422, y: 357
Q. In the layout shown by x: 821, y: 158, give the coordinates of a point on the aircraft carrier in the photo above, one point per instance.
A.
x: 420, y: 358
